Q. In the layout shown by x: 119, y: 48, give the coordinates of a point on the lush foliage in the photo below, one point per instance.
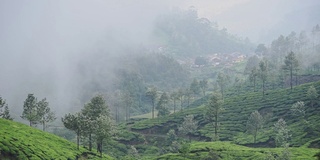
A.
x: 19, y: 141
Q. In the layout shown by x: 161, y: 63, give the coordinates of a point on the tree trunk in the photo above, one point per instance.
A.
x: 101, y: 149
x: 216, y: 127
x: 90, y: 142
x: 291, y: 78
x: 78, y: 139
x: 152, y: 109
x: 174, y: 106
x: 255, y: 135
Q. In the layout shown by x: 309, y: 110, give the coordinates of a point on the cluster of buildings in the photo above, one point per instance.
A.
x: 223, y: 59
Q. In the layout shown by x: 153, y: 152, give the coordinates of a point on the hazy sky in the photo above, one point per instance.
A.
x: 41, y: 40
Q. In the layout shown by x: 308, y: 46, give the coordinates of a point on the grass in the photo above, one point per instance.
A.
x: 228, y: 150
x: 19, y: 141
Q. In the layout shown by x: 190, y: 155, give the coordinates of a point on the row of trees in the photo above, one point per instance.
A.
x: 291, y: 56
x: 196, y: 87
x: 266, y: 71
x: 93, y: 122
x: 37, y: 111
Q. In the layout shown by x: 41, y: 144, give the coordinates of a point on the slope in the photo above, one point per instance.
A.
x: 237, y: 110
x: 19, y: 141
x: 227, y: 150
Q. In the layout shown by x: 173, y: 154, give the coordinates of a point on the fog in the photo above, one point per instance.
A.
x: 42, y: 43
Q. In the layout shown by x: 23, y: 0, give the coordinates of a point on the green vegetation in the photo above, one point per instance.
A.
x: 274, y: 105
x: 4, y: 110
x: 194, y: 84
x: 19, y: 141
x: 228, y: 151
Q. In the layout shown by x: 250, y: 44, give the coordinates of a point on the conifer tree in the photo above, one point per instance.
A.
x: 30, y: 110
x: 203, y: 86
x: 290, y: 65
x: 44, y: 113
x: 92, y: 110
x: 4, y: 110
x: 152, y: 94
x: 213, y: 111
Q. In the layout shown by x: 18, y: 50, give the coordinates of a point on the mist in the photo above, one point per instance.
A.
x: 44, y: 43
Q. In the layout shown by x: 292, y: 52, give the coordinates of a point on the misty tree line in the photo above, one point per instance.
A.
x: 286, y: 62
x: 184, y: 33
x: 137, y: 72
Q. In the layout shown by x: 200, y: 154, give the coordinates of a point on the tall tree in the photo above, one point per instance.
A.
x: 127, y: 99
x: 44, y: 113
x: 290, y: 65
x: 222, y: 81
x: 195, y: 87
x: 213, y: 110
x: 203, y: 86
x: 253, y: 77
x: 312, y: 95
x: 174, y: 96
x: 188, y: 126
x: 263, y: 73
x: 6, y: 113
x: 152, y: 94
x: 30, y: 110
x: 181, y: 95
x: 253, y: 62
x: 104, y: 129
x: 315, y: 31
x: 161, y: 106
x: 74, y: 122
x: 92, y: 110
x: 261, y: 50
x: 254, y: 124
x: 4, y: 110
x: 187, y: 94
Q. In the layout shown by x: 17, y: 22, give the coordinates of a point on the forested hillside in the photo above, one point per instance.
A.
x: 184, y: 33
x: 131, y: 80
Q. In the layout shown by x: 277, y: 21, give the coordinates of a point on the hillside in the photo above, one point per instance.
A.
x: 227, y: 150
x: 238, y: 107
x: 19, y: 141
